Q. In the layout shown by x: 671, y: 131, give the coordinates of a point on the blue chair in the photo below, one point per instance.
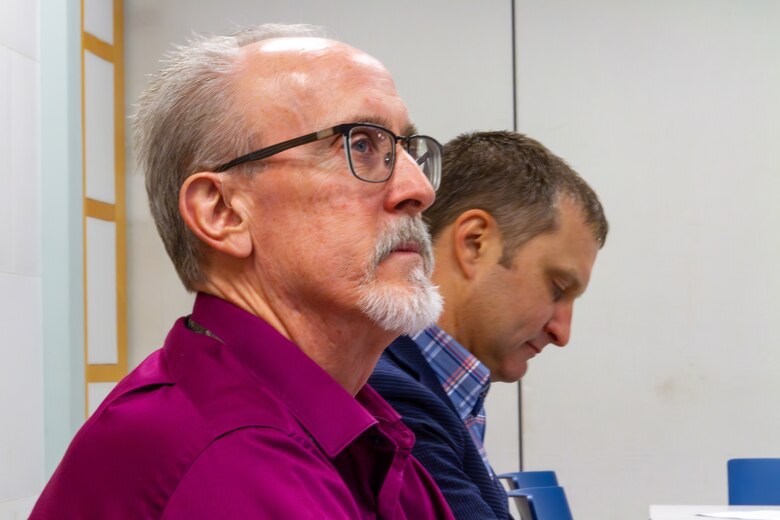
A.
x: 526, y: 479
x: 754, y: 482
x: 542, y: 503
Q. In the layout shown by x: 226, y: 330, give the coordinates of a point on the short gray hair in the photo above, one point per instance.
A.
x: 190, y: 120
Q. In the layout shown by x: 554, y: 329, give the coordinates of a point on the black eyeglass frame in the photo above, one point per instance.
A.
x: 344, y: 130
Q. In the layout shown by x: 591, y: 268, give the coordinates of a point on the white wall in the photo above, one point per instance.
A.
x: 671, y: 109
x: 452, y: 62
x: 21, y: 343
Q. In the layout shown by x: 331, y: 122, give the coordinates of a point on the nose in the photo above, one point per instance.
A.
x: 558, y: 328
x: 409, y: 190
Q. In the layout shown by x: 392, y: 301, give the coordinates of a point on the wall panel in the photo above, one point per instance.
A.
x: 670, y: 109
x: 21, y: 343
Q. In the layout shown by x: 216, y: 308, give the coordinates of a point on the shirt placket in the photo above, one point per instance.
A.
x: 400, y: 441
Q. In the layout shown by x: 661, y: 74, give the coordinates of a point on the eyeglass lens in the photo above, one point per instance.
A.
x: 372, y: 154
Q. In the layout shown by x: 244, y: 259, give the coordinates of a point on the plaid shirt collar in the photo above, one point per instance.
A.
x: 462, y: 376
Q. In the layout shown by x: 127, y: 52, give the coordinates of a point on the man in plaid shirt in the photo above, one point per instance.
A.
x: 516, y: 232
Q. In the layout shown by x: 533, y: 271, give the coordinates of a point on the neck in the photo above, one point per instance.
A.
x: 450, y: 320
x: 347, y: 345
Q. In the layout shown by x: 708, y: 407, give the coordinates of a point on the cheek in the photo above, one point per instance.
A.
x: 518, y: 317
x: 337, y: 245
x: 321, y: 224
x: 344, y: 221
x: 520, y: 323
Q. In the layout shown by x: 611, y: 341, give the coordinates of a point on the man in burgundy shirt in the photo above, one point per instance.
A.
x: 289, y: 199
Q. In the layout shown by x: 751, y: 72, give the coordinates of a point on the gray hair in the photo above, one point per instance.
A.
x: 189, y: 120
x: 515, y: 179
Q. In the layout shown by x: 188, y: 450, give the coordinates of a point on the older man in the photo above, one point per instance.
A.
x: 516, y: 233
x: 288, y: 198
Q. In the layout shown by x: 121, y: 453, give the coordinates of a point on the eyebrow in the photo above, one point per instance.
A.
x: 407, y: 130
x: 410, y: 129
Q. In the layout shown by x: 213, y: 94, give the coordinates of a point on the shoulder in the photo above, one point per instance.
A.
x: 403, y: 378
x: 261, y: 472
x: 422, y: 406
x: 153, y: 425
x: 397, y: 383
x: 389, y: 367
x: 181, y: 415
x: 401, y: 359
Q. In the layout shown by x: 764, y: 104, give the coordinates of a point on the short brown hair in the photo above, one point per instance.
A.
x: 515, y: 179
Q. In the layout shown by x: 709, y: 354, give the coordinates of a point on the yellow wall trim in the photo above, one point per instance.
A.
x: 113, y: 53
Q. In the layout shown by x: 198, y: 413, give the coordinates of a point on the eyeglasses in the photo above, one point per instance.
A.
x: 370, y: 151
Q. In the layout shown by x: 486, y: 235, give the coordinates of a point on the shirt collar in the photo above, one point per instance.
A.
x: 463, y: 377
x: 328, y: 412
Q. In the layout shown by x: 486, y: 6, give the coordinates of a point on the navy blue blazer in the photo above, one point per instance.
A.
x: 443, y: 443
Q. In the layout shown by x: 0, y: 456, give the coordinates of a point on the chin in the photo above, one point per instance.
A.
x: 403, y: 310
x: 510, y: 376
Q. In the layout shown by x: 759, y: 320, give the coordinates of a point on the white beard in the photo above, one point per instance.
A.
x: 404, y: 309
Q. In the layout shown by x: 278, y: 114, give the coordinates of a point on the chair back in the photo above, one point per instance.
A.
x: 542, y: 503
x: 526, y: 479
x: 754, y: 482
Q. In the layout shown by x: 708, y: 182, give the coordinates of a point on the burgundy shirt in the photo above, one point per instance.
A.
x: 239, y: 424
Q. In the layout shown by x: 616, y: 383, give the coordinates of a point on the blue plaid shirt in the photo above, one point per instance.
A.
x: 465, y: 380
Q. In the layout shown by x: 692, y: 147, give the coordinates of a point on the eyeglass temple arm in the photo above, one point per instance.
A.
x: 265, y: 153
x: 423, y: 158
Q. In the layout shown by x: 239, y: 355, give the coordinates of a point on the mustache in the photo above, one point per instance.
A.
x: 410, y: 233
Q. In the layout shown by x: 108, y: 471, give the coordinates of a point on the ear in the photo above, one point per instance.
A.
x: 477, y: 241
x: 207, y: 212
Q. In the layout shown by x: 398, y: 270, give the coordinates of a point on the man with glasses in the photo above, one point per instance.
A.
x: 286, y: 181
x: 516, y: 232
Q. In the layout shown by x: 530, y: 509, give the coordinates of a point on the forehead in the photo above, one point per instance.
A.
x: 569, y: 250
x: 307, y: 84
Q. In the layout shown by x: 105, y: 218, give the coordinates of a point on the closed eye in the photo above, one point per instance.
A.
x: 558, y: 289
